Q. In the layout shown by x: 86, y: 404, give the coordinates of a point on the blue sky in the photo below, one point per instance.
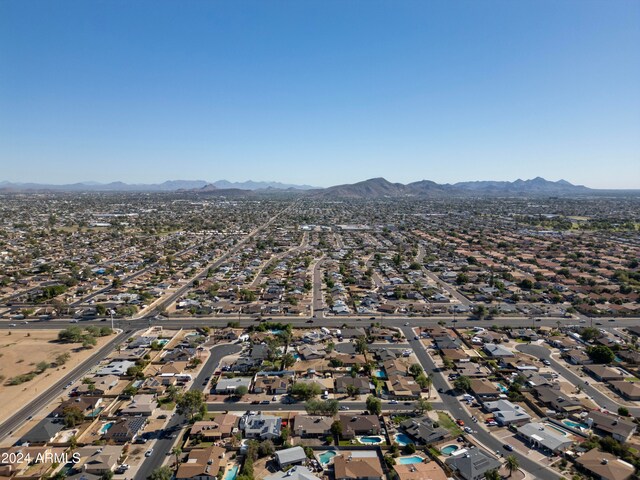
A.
x: 320, y: 92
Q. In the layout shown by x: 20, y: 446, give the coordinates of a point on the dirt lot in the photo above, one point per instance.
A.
x: 20, y: 352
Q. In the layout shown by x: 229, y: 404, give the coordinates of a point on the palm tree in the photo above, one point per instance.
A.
x: 512, y: 464
x: 492, y: 475
x: 177, y: 451
x: 428, y: 383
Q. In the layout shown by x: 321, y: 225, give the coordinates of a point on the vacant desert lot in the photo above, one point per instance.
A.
x: 20, y: 351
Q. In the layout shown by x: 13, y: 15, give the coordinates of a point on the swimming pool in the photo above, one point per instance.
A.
x: 409, y: 460
x: 449, y: 449
x: 402, y: 439
x: 378, y: 373
x: 232, y: 473
x: 325, y: 457
x: 577, y: 425
x: 502, y: 388
x: 371, y: 440
x: 105, y: 427
x: 557, y: 429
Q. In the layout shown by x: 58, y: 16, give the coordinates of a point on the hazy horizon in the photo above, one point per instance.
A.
x: 320, y: 92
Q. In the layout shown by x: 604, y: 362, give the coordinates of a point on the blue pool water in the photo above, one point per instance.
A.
x: 275, y: 332
x: 449, y: 449
x: 95, y: 413
x: 232, y: 473
x: 502, y: 388
x: 402, y: 439
x: 106, y: 427
x: 326, y: 457
x: 408, y: 460
x: 296, y: 356
x: 370, y: 440
x: 379, y: 373
x: 577, y: 425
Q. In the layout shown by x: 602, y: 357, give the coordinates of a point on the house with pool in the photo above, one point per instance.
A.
x: 420, y: 471
x: 545, y: 437
x: 203, y: 464
x: 358, y: 465
x: 424, y: 430
x: 354, y: 425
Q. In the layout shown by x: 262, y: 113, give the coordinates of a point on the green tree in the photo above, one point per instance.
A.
x: 462, y: 383
x: 72, y: 416
x: 241, y: 391
x: 601, y: 354
x: 177, y: 451
x: 305, y: 391
x: 623, y: 411
x: 492, y: 475
x: 161, y: 473
x: 512, y: 464
x: 336, y: 430
x: 374, y: 405
x: 415, y: 369
x: 421, y: 406
x: 352, y: 390
x: 288, y: 360
x: 190, y: 402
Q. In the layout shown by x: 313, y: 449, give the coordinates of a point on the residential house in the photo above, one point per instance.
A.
x: 472, y: 464
x: 577, y: 357
x: 543, y: 437
x: 497, y: 351
x: 222, y: 425
x: 271, y: 385
x: 87, y: 405
x: 308, y: 352
x: 353, y: 466
x: 118, y: 368
x: 44, y: 432
x: 290, y: 456
x: 307, y: 426
x: 399, y: 386
x: 604, y: 424
x: 295, y: 473
x: 143, y: 404
x: 394, y: 367
x: 553, y: 398
x: 424, y: 430
x: 230, y: 385
x: 262, y: 427
x: 354, y: 424
x: 202, y: 464
x: 629, y: 390
x: 362, y: 384
x: 483, y: 389
x: 99, y: 386
x: 455, y: 356
x: 603, y: 373
x: 506, y: 413
x: 98, y: 460
x: 605, y: 466
x: 420, y: 471
x: 126, y: 429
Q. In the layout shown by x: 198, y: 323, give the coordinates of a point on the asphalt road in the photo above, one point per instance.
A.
x: 452, y: 404
x: 316, y: 322
x: 55, y: 390
x: 164, y: 443
x: 605, y: 401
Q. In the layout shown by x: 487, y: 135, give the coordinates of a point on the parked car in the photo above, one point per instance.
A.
x: 468, y: 429
x: 149, y: 452
x: 460, y: 422
x: 507, y: 447
x: 393, y: 402
x: 344, y: 407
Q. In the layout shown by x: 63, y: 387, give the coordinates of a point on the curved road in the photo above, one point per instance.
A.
x: 164, y: 443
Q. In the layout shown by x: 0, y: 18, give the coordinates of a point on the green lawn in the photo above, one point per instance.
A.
x: 445, y: 421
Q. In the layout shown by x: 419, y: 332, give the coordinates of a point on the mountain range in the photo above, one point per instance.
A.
x: 372, y: 188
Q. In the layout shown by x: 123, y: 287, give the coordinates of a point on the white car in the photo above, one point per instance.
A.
x: 468, y: 429
x: 148, y: 452
x: 393, y: 402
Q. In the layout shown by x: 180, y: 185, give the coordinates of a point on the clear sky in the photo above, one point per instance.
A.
x: 320, y: 92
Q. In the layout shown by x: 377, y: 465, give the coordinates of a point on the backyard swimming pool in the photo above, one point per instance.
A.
x: 325, y: 457
x: 502, y: 388
x: 378, y: 373
x: 371, y: 440
x: 577, y: 425
x: 449, y: 449
x: 105, y: 427
x: 231, y: 473
x: 402, y: 439
x: 409, y: 460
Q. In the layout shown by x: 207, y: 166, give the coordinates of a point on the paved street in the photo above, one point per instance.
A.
x: 452, y: 404
x: 164, y: 444
x: 605, y: 401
